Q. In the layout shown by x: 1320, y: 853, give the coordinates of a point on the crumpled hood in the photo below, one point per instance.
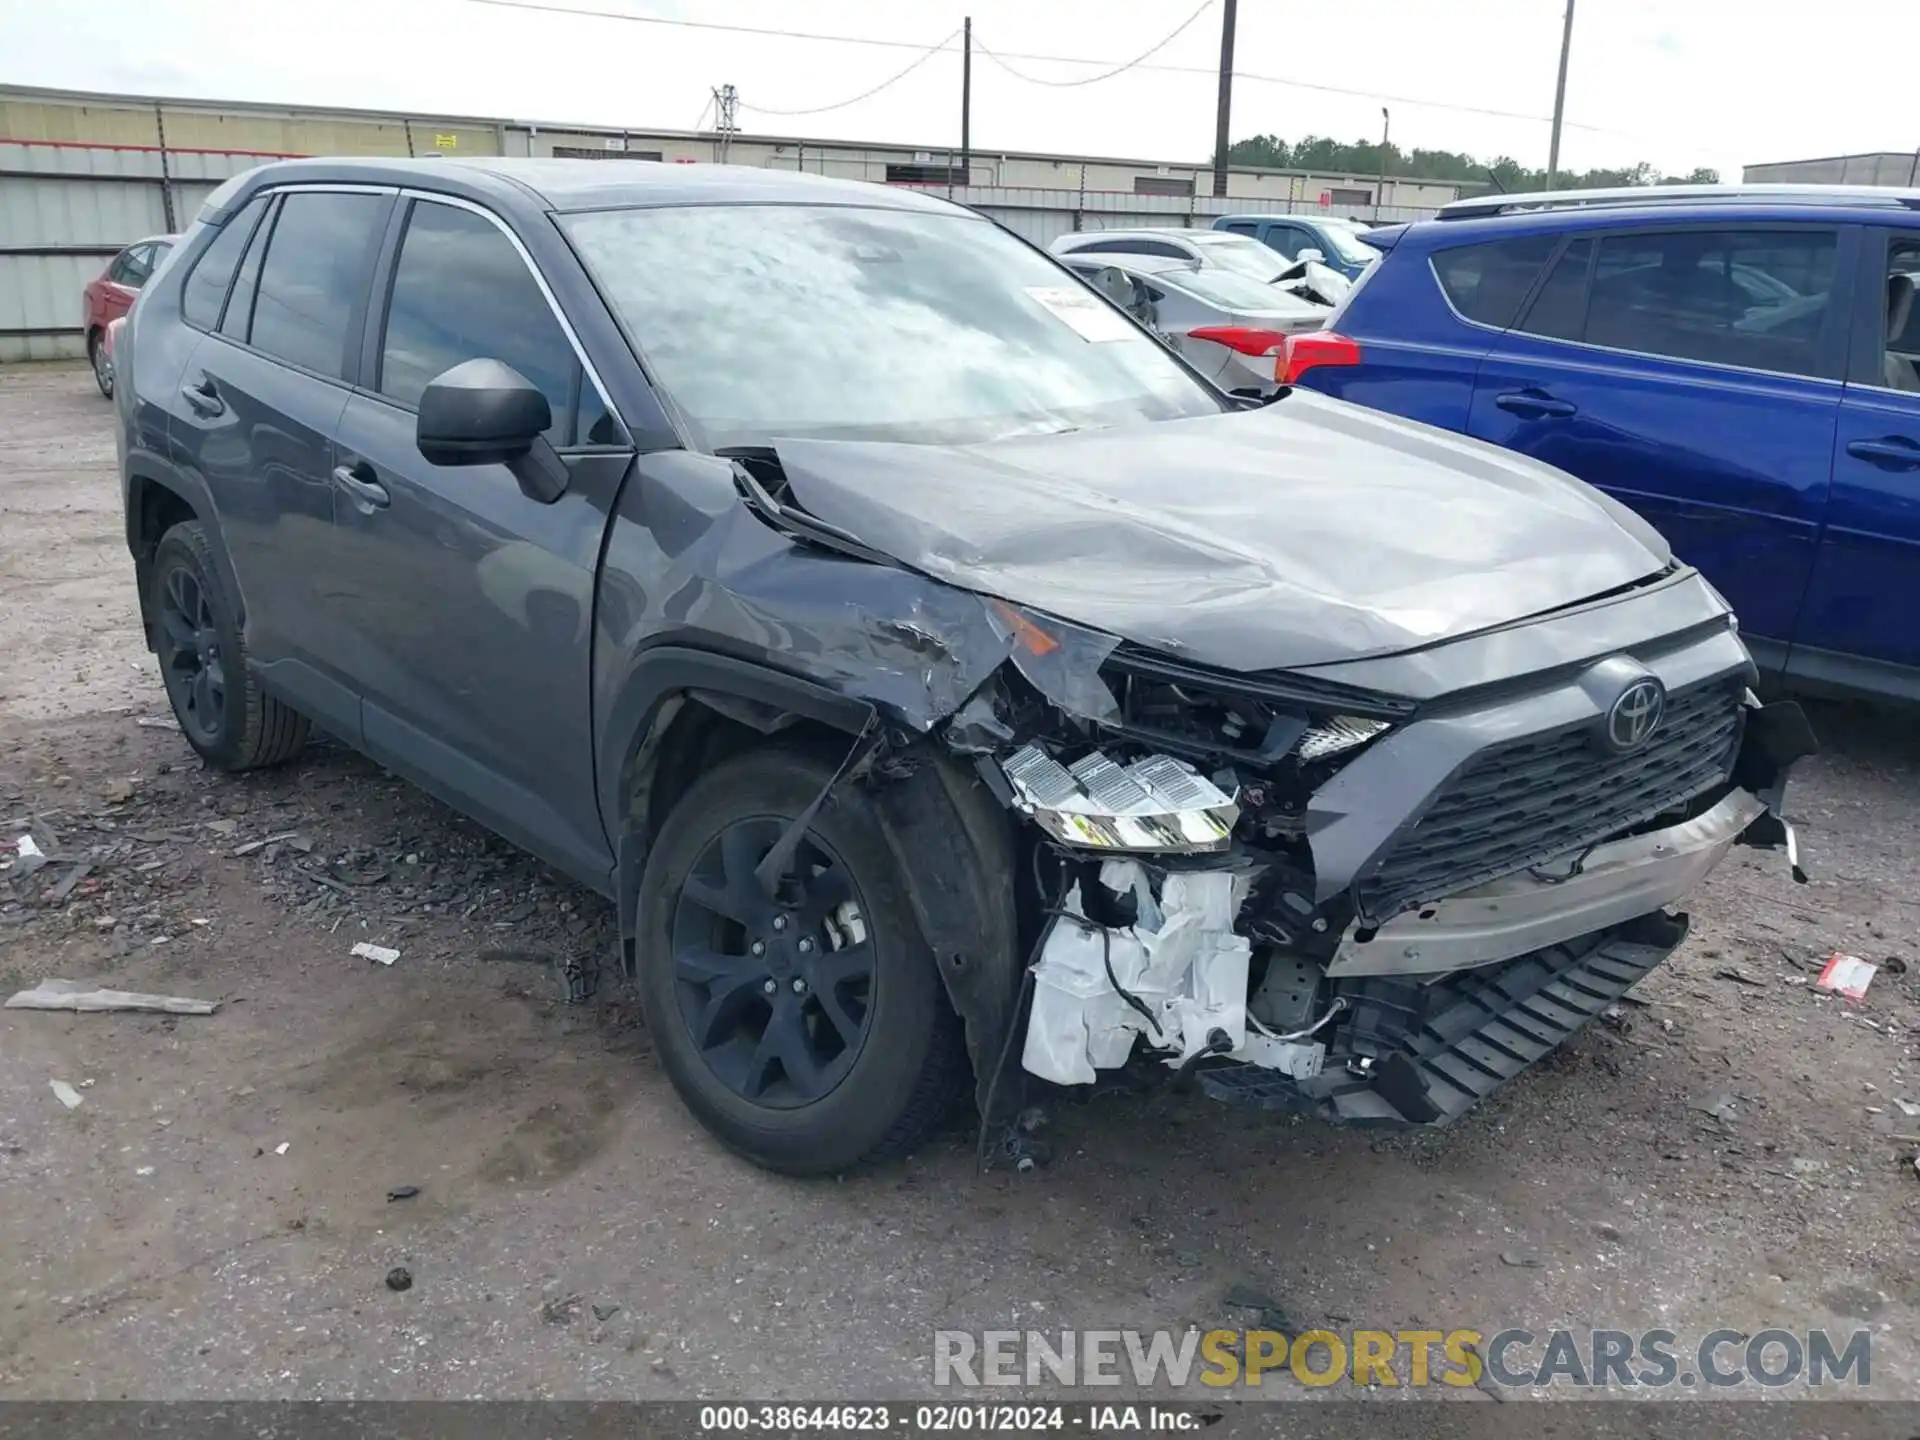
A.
x: 1307, y: 532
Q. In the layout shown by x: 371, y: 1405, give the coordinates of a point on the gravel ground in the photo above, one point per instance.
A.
x: 213, y: 1219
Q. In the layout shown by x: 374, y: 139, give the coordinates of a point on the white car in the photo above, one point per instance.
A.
x: 1208, y: 249
x: 1231, y: 328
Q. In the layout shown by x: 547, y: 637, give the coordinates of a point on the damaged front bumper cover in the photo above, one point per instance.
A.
x: 1480, y: 1028
x: 1536, y: 908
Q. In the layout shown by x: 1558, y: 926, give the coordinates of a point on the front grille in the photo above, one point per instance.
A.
x: 1529, y: 801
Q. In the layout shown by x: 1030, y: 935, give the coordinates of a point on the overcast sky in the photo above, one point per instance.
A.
x: 1676, y: 82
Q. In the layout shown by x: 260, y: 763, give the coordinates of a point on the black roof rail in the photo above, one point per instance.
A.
x: 1863, y: 196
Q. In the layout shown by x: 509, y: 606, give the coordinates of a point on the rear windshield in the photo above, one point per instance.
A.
x: 1347, y: 244
x: 770, y: 321
x: 1241, y: 254
x: 1226, y: 287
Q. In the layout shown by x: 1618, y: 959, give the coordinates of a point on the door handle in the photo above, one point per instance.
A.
x: 203, y: 397
x: 1534, y: 405
x: 353, y: 479
x: 1890, y: 452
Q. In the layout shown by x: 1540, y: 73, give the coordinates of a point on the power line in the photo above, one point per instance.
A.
x: 545, y: 8
x: 914, y: 65
x: 1139, y: 59
x: 629, y: 16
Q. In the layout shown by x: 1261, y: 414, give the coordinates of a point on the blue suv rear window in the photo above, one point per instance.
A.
x: 1486, y: 283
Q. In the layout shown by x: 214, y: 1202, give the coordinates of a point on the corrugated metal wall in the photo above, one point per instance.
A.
x: 1899, y: 169
x: 66, y: 209
x: 83, y: 176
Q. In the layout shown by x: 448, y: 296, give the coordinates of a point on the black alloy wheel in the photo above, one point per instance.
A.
x: 777, y: 992
x: 190, y: 658
x: 807, y: 1028
x: 202, y: 648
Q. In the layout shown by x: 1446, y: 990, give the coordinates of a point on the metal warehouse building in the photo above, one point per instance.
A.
x: 1891, y: 168
x: 81, y: 175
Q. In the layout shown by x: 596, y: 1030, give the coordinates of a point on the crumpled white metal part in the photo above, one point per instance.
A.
x: 1180, y: 959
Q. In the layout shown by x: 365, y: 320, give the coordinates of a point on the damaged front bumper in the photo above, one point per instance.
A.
x: 1408, y: 1020
x: 1540, y: 907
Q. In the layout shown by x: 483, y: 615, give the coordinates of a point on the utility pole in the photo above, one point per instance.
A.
x: 1386, y: 136
x: 1559, y: 100
x: 966, y: 102
x: 1222, y: 120
x: 726, y: 107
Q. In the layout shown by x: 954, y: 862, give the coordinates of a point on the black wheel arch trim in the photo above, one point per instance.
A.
x: 953, y: 839
x: 659, y: 682
x: 145, y: 468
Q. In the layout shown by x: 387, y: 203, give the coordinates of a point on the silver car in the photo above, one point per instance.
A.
x: 1229, y: 327
x: 1208, y: 249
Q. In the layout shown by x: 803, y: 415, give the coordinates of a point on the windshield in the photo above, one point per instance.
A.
x: 1241, y: 254
x: 1348, y: 246
x: 1227, y: 288
x: 774, y: 321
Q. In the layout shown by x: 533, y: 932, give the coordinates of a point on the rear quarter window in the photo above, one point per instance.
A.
x: 1487, y: 283
x: 212, y: 273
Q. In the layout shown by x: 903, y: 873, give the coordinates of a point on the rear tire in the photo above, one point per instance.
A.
x: 203, y: 662
x: 830, y: 1046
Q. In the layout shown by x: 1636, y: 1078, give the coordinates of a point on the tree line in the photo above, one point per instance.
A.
x: 1362, y: 157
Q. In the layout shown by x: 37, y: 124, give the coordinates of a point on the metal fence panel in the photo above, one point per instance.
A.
x: 100, y: 214
x: 40, y: 304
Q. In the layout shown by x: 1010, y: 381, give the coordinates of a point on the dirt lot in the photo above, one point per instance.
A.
x: 213, y: 1220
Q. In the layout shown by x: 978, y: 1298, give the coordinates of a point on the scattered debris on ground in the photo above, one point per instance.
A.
x: 1846, y: 975
x: 89, y: 999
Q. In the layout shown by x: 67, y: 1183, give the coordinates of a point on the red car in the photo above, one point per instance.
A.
x: 112, y: 294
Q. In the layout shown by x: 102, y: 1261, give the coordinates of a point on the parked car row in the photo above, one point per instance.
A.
x: 953, y: 687
x: 1738, y: 364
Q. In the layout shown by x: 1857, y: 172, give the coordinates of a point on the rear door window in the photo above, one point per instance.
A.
x: 1487, y: 283
x: 206, y: 287
x: 312, y: 277
x: 461, y: 291
x: 1559, y: 311
x: 1754, y: 299
x: 237, y: 321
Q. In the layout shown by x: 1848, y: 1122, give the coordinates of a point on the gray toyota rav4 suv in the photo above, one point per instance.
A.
x: 954, y: 693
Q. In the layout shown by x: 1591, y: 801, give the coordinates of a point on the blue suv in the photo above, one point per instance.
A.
x: 1741, y: 365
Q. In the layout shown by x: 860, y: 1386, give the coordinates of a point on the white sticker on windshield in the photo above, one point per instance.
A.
x: 1091, y: 318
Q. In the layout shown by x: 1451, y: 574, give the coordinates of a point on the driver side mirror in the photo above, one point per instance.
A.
x: 1314, y: 254
x: 484, y: 412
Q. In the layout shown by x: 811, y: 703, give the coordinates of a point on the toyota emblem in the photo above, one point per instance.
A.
x: 1635, y: 715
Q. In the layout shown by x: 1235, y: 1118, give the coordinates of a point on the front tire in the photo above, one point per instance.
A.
x: 808, y: 1031
x: 203, y: 662
x: 102, y: 365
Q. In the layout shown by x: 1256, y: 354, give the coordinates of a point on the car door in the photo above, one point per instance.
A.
x: 1857, y: 626
x: 1652, y: 364
x: 262, y: 394
x: 467, y: 606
